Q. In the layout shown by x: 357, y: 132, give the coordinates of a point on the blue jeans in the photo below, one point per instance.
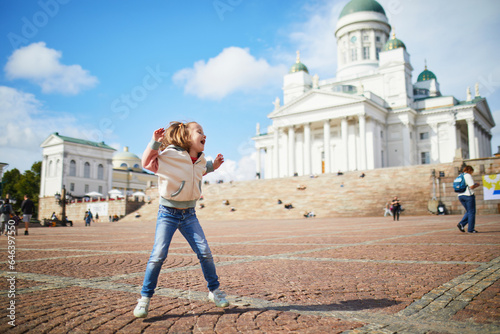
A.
x: 469, y: 203
x: 168, y: 221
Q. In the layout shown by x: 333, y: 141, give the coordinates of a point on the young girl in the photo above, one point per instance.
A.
x: 180, y: 165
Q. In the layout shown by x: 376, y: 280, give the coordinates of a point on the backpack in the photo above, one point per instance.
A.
x: 459, y: 184
x: 5, y: 209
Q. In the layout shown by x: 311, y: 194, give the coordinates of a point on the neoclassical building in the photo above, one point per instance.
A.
x: 84, y: 166
x: 373, y: 114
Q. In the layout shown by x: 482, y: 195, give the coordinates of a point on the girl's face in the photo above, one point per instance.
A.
x: 197, y: 138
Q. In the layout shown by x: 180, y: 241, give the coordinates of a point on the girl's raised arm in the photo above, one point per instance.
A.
x: 150, y: 155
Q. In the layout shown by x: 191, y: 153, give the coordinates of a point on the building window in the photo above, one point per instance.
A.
x: 377, y: 52
x: 365, y: 37
x: 50, y: 171
x: 381, y: 134
x: 425, y: 158
x: 86, y: 188
x: 366, y: 52
x: 72, y: 168
x: 71, y: 187
x: 354, y: 55
x: 377, y: 38
x: 86, y: 170
x: 124, y: 165
x: 137, y: 166
x: 100, y: 189
x: 424, y: 135
x: 100, y: 172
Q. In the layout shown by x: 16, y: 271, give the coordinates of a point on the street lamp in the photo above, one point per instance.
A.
x: 62, y: 199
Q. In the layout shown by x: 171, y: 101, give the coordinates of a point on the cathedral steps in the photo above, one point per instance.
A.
x: 332, y: 195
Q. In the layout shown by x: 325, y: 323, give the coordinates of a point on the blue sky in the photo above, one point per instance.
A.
x: 115, y: 70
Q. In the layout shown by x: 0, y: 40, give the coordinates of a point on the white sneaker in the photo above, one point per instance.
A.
x: 141, y: 310
x: 218, y: 297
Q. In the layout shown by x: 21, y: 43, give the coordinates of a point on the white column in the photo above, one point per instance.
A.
x: 453, y: 138
x: 285, y: 167
x: 483, y: 144
x: 291, y: 150
x: 372, y: 145
x: 406, y: 144
x: 257, y: 158
x: 276, y: 153
x: 307, y: 149
x: 326, y: 146
x: 434, y: 143
x: 109, y: 168
x: 343, y: 130
x: 472, y: 139
x: 43, y: 176
x: 362, y: 138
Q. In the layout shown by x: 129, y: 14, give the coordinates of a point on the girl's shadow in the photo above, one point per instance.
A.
x: 347, y: 305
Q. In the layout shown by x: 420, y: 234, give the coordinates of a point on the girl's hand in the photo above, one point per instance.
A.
x: 158, y: 134
x: 218, y: 161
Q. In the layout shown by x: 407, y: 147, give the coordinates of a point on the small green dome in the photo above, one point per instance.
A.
x: 298, y: 66
x: 426, y: 75
x: 394, y: 43
x: 362, y: 6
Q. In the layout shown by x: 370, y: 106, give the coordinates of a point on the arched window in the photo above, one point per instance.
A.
x: 72, y: 168
x: 137, y: 166
x: 58, y: 168
x: 124, y: 165
x: 100, y: 172
x: 50, y: 171
x: 86, y: 170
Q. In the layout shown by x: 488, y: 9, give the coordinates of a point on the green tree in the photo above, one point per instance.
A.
x: 16, y: 185
x: 9, y: 181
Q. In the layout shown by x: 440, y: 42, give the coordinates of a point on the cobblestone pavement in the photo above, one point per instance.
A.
x: 336, y: 275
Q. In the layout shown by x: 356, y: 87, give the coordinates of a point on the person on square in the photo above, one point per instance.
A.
x: 468, y: 200
x: 27, y: 207
x: 396, y: 207
x: 88, y: 218
x: 387, y: 210
x: 5, y: 212
x: 176, y: 155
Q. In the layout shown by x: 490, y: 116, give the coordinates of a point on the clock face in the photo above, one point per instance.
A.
x: 353, y: 39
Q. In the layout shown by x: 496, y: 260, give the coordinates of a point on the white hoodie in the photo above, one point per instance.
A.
x: 179, y: 179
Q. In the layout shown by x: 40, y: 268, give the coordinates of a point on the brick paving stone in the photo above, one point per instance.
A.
x: 338, y: 275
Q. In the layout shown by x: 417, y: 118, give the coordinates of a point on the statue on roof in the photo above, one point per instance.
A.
x: 277, y: 103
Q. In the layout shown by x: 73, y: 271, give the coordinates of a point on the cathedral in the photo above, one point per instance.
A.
x: 373, y: 114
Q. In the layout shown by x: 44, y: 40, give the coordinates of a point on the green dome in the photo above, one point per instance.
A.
x: 426, y: 75
x: 298, y: 66
x: 394, y: 43
x: 362, y: 6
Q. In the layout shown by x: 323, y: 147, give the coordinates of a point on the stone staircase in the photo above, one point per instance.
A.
x: 332, y: 195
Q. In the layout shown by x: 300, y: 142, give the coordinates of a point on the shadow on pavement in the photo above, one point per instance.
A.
x: 347, y: 305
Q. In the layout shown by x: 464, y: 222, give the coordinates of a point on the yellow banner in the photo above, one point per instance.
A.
x: 491, y: 187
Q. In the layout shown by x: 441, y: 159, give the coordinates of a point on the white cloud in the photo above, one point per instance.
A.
x: 234, y: 69
x: 315, y: 38
x: 41, y: 65
x: 25, y: 125
x: 231, y: 170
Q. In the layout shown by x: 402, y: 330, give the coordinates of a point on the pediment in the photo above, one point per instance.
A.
x: 484, y: 109
x: 51, y: 140
x: 316, y: 100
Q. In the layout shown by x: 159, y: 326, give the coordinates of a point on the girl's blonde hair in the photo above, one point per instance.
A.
x: 177, y: 134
